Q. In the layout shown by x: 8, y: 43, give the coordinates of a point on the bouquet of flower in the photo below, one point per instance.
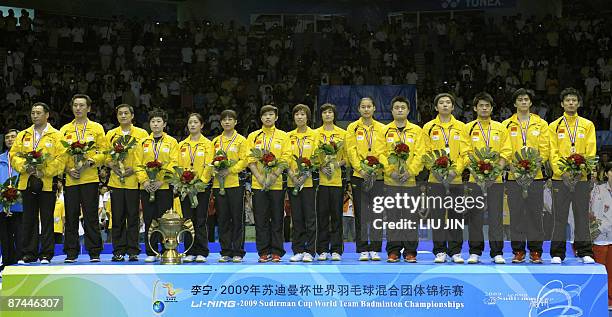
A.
x: 525, y: 167
x: 9, y: 195
x: 372, y: 167
x: 120, y: 151
x: 399, y: 156
x: 220, y: 163
x: 34, y: 159
x: 269, y: 162
x: 327, y: 155
x: 186, y: 184
x: 152, y: 169
x: 78, y: 150
x: 484, y: 166
x: 305, y: 169
x: 438, y: 162
x: 575, y: 165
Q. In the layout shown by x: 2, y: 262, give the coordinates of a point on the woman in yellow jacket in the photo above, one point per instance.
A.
x: 196, y: 153
x: 229, y: 206
x: 160, y: 147
x: 303, y: 142
x: 329, y: 193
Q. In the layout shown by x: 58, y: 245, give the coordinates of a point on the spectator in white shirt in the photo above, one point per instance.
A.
x: 106, y: 54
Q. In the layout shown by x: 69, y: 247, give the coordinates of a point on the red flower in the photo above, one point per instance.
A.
x: 402, y: 148
x: 442, y: 161
x: 482, y: 166
x: 578, y: 159
x: 36, y: 154
x: 119, y: 148
x: 306, y: 161
x: 333, y: 144
x: 10, y: 194
x: 372, y: 160
x: 154, y: 164
x: 268, y: 158
x: 524, y: 164
x: 77, y: 145
x: 220, y: 158
x: 187, y: 176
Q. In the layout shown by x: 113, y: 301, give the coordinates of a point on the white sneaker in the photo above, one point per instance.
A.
x: 150, y: 259
x: 44, y: 261
x: 307, y: 257
x: 587, y: 260
x: 458, y: 259
x: 336, y: 257
x: 21, y: 262
x: 473, y: 259
x: 237, y: 259
x: 364, y: 256
x: 200, y: 259
x: 499, y: 259
x: 555, y: 260
x: 323, y: 256
x: 298, y: 257
x: 374, y: 256
x: 188, y: 258
x: 440, y: 257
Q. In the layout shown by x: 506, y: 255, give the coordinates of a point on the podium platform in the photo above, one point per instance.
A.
x: 346, y: 288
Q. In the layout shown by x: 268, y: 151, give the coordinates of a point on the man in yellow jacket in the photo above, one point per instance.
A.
x: 124, y: 192
x: 81, y: 191
x: 447, y: 134
x: 362, y: 140
x: 330, y: 191
x: 229, y: 206
x: 526, y: 130
x: 485, y: 133
x: 38, y: 203
x: 401, y: 134
x: 571, y: 134
x: 160, y: 147
x: 268, y: 192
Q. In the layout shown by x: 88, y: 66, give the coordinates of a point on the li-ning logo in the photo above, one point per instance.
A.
x: 450, y: 4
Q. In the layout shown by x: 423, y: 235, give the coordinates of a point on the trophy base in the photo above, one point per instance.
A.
x: 171, y: 257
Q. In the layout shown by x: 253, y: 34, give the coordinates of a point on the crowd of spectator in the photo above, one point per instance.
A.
x: 207, y: 67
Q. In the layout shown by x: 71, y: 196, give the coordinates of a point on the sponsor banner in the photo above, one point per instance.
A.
x: 310, y: 290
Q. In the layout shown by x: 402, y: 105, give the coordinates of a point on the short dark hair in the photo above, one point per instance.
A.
x: 268, y: 108
x: 444, y: 94
x: 158, y: 113
x: 11, y: 130
x: 302, y: 107
x: 607, y: 167
x: 330, y: 106
x: 570, y: 91
x: 400, y: 99
x: 229, y: 113
x: 197, y: 115
x: 522, y: 92
x: 45, y: 106
x: 483, y: 96
x: 86, y: 97
x: 125, y: 105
